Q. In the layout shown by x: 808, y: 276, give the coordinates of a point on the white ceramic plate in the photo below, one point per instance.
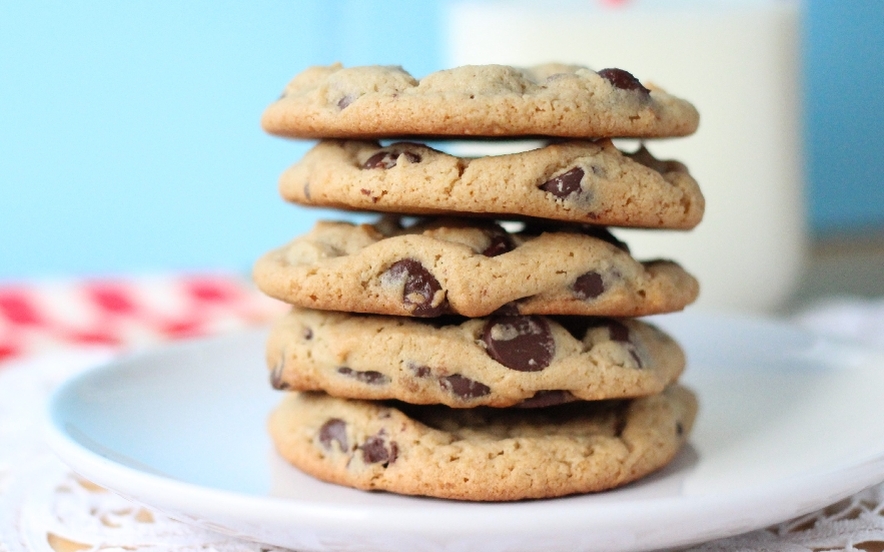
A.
x: 789, y: 423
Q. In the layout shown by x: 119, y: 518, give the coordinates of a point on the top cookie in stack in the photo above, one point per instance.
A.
x: 496, y: 101
x: 492, y: 297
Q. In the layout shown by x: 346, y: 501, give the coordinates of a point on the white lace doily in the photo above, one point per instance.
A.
x: 46, y: 508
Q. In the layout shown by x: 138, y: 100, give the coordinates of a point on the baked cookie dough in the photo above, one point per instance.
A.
x: 577, y: 181
x: 454, y: 266
x: 476, y: 100
x: 482, y: 454
x: 500, y: 361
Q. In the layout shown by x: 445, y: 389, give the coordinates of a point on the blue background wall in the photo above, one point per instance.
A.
x: 844, y: 87
x: 129, y: 137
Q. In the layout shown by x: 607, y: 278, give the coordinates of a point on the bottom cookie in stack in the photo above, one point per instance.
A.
x: 482, y: 454
x: 471, y: 408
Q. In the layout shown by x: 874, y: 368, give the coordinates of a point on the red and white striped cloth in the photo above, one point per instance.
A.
x: 126, y: 312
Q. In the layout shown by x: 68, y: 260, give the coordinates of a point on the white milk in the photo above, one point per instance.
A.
x: 737, y: 61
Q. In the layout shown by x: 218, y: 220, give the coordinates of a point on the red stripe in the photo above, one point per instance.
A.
x: 93, y: 337
x: 112, y: 298
x: 183, y: 328
x: 18, y: 309
x: 211, y: 290
x: 8, y: 351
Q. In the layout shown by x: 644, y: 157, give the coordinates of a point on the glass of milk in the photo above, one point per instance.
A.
x: 737, y: 61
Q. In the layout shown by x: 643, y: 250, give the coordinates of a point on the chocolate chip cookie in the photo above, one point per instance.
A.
x: 579, y: 181
x: 471, y: 268
x: 499, y: 361
x: 482, y: 454
x: 476, y: 100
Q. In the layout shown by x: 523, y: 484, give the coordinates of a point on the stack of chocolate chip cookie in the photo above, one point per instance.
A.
x: 479, y: 341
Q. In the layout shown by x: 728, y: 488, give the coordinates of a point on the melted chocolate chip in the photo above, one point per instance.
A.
x: 389, y: 159
x: 543, y: 399
x: 335, y: 430
x: 375, y: 450
x: 523, y: 343
x: 420, y: 288
x: 368, y: 376
x: 464, y: 388
x: 588, y: 286
x: 565, y: 184
x: 623, y: 80
x: 679, y: 429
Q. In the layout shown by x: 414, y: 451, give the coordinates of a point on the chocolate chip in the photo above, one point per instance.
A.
x: 375, y: 450
x: 307, y: 334
x: 420, y: 290
x: 618, y: 331
x: 565, y: 184
x: 419, y: 370
x: 276, y: 376
x: 522, y: 343
x: 464, y: 388
x: 334, y: 429
x: 579, y: 325
x: 588, y: 286
x: 498, y: 244
x: 507, y: 309
x: 679, y: 429
x: 345, y: 101
x: 552, y: 397
x: 623, y: 80
x: 368, y: 376
x: 388, y: 159
x: 307, y: 191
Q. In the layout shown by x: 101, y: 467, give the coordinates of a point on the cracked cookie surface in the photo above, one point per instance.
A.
x: 453, y: 266
x: 500, y: 361
x: 482, y: 454
x: 578, y: 181
x: 476, y: 100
